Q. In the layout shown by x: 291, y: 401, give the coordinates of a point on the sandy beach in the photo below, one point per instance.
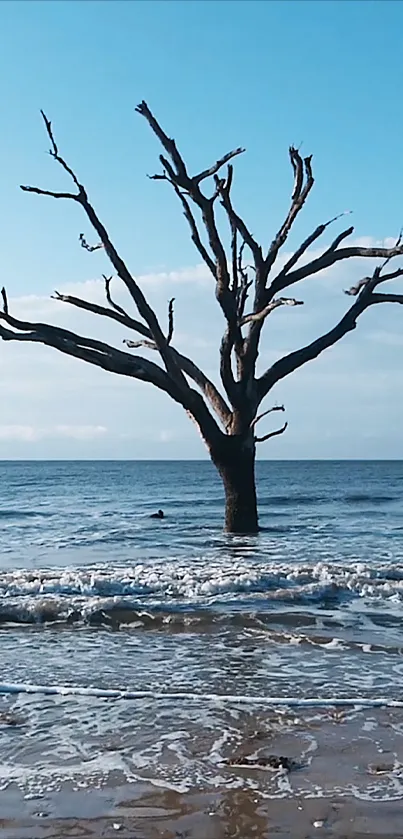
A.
x: 234, y: 814
x: 345, y: 784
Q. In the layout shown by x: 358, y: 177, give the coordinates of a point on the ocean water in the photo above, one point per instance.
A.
x: 95, y: 594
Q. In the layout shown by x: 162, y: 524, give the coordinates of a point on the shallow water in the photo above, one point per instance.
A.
x: 94, y: 593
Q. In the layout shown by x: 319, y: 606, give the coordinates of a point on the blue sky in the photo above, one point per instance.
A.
x: 217, y: 74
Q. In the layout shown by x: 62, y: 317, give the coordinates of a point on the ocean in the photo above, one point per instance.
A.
x: 204, y: 627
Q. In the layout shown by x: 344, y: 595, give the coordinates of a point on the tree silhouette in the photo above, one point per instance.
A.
x: 227, y: 423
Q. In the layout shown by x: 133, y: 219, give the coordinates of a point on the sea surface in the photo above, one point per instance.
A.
x: 96, y: 594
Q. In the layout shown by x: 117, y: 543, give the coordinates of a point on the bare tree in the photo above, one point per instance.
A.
x: 227, y: 423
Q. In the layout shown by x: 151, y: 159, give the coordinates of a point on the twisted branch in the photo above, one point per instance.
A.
x: 272, y: 434
x: 144, y: 309
x: 86, y: 246
x: 5, y: 301
x: 302, y: 169
x: 365, y: 297
x: 330, y: 257
x: 188, y: 187
x: 265, y: 413
x: 275, y: 304
x: 207, y: 173
x: 311, y: 239
x: 188, y: 367
x: 170, y: 320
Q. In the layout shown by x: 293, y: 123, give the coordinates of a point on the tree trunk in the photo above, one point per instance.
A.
x: 236, y: 465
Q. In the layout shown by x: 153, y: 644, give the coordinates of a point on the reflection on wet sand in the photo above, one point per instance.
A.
x: 233, y: 814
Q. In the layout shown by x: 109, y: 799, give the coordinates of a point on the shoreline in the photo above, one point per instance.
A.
x: 341, y: 777
x: 239, y: 814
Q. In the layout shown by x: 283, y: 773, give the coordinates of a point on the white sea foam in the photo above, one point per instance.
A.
x: 197, y: 580
x: 272, y: 701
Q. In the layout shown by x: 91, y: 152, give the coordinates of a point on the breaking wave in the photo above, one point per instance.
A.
x: 167, y: 591
x: 24, y: 514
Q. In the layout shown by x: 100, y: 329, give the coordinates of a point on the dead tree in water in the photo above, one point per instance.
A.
x: 227, y: 423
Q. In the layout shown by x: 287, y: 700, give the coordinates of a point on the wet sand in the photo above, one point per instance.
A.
x: 233, y: 815
x: 347, y: 783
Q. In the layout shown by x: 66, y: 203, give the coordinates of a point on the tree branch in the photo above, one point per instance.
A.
x: 189, y: 187
x: 136, y: 345
x: 272, y: 434
x: 340, y: 238
x: 95, y: 352
x: 223, y: 188
x: 330, y: 257
x: 103, y: 355
x: 39, y: 191
x: 170, y: 320
x: 226, y: 373
x: 291, y: 362
x: 54, y: 152
x: 187, y: 365
x: 180, y: 177
x: 91, y: 248
x: 168, y: 144
x: 194, y: 372
x: 207, y: 173
x: 281, y: 301
x: 365, y: 297
x: 219, y: 268
x: 310, y: 240
x: 370, y: 283
x: 244, y: 285
x: 302, y: 168
x: 119, y: 315
x: 107, y: 281
x: 297, y: 165
x: 5, y: 301
x: 195, y: 236
x: 190, y: 399
x: 387, y: 298
x: 143, y: 307
x: 265, y: 413
x: 303, y: 183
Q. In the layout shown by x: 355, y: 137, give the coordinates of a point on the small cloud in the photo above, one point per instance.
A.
x: 24, y: 433
x: 185, y: 339
x: 196, y: 274
x: 94, y: 290
x: 166, y: 436
x: 80, y: 432
x: 30, y: 433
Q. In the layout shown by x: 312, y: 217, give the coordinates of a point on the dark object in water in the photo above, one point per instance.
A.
x: 383, y: 768
x: 158, y: 515
x: 10, y: 719
x: 272, y: 762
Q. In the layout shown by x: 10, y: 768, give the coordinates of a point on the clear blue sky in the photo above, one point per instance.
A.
x: 218, y: 74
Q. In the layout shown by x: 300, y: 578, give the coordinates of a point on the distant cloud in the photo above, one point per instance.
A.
x: 343, y: 273
x: 95, y: 290
x: 167, y: 436
x: 79, y: 432
x: 30, y: 433
x: 24, y: 433
x: 196, y: 274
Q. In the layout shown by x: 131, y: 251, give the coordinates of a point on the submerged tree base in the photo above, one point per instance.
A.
x: 236, y: 466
